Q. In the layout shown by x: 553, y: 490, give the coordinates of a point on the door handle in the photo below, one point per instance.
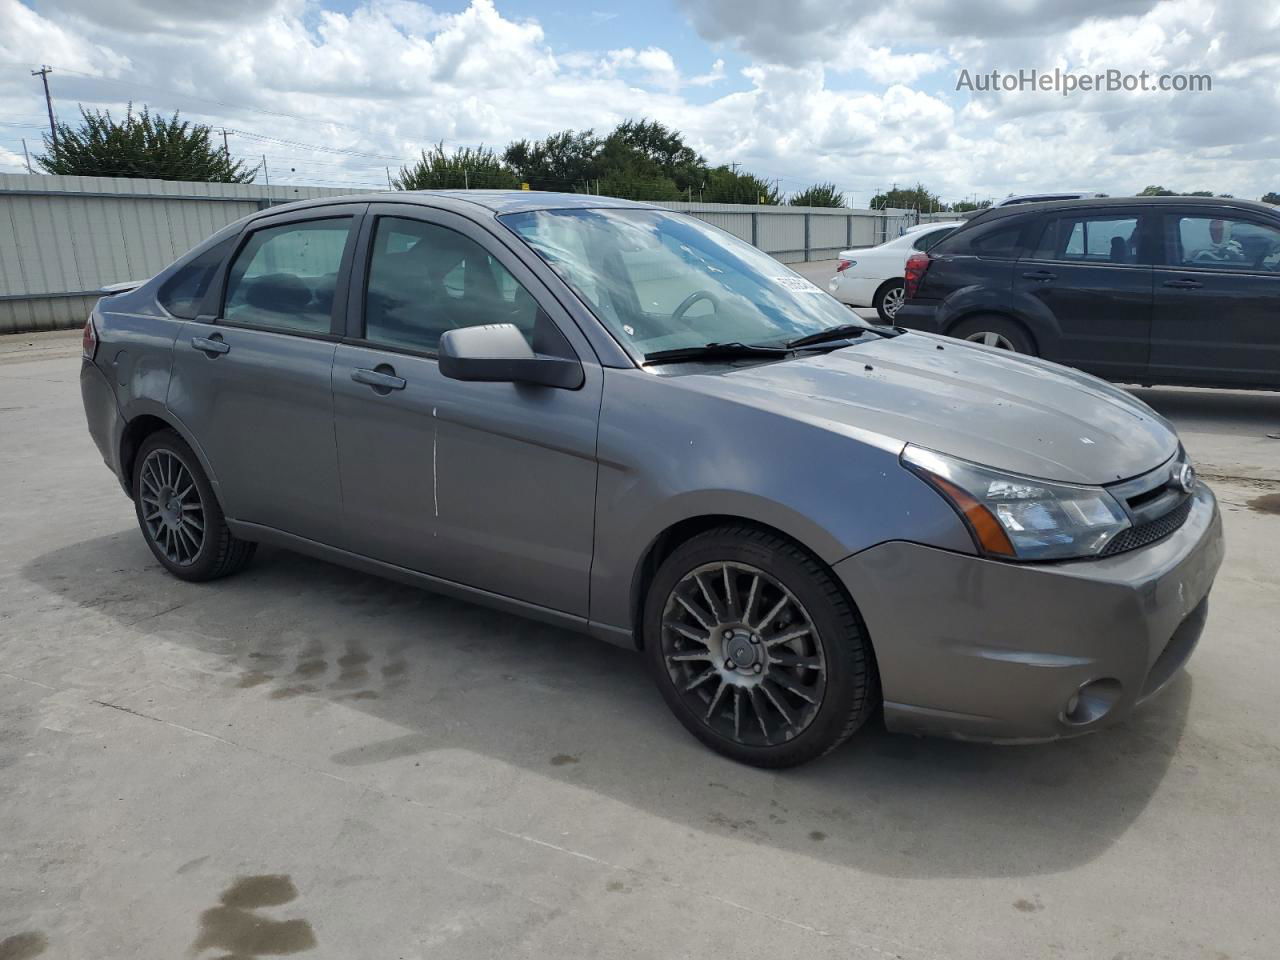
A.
x: 1184, y: 284
x: 214, y: 346
x: 1041, y: 275
x: 382, y: 378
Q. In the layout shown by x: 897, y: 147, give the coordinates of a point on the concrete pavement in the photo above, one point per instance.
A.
x: 305, y: 760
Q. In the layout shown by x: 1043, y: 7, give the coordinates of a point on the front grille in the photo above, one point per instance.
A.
x: 1150, y: 532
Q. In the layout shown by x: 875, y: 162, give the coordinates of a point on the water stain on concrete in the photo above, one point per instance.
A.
x: 236, y: 926
x: 393, y: 749
x: 23, y: 946
x: 192, y: 865
x: 560, y: 759
x: 253, y: 678
x: 616, y: 886
x: 310, y: 668
x: 1028, y: 906
x: 288, y: 693
x: 1267, y: 503
x: 817, y: 836
x: 361, y: 695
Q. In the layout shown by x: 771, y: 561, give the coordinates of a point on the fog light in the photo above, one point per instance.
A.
x: 1092, y: 701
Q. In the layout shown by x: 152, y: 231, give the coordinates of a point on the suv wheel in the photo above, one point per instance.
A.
x: 756, y: 648
x: 889, y: 300
x: 995, y: 331
x: 179, y: 515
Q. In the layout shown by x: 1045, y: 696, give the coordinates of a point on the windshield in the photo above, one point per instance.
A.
x: 662, y: 281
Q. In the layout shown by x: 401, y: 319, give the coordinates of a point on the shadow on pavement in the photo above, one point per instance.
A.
x: 456, y: 677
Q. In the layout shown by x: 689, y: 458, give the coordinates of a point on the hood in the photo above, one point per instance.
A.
x: 1013, y: 413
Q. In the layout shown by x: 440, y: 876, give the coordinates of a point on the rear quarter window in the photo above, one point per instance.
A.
x: 182, y: 294
x: 999, y: 239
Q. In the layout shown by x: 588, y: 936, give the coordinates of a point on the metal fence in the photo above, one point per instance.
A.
x: 63, y: 238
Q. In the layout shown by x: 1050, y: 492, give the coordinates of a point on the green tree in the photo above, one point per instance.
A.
x: 1154, y: 191
x: 467, y: 168
x: 908, y: 198
x: 142, y: 145
x: 964, y: 206
x: 566, y: 161
x: 725, y: 185
x: 819, y: 195
x: 1271, y: 197
x: 647, y: 149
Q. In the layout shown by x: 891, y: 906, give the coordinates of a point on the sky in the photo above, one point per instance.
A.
x: 862, y: 93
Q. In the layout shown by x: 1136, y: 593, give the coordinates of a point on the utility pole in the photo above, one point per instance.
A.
x: 26, y: 156
x: 389, y: 185
x: 226, y: 151
x: 734, y: 166
x: 265, y: 176
x: 43, y: 74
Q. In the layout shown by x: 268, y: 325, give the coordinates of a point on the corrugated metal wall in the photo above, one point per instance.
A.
x: 63, y: 238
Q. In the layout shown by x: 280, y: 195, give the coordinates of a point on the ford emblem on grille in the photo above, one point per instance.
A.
x: 1187, y: 478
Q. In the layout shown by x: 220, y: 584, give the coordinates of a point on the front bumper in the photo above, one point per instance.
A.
x: 985, y: 650
x: 915, y: 315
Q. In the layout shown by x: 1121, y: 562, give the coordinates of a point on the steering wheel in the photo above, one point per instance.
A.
x: 690, y: 300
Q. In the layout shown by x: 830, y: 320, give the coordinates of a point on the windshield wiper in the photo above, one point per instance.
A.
x: 845, y: 331
x: 716, y: 351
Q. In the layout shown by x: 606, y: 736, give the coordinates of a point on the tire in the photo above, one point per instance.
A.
x: 995, y: 331
x: 889, y: 299
x: 766, y: 705
x: 179, y: 515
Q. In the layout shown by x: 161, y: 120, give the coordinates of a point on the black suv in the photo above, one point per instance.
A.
x: 1174, y: 290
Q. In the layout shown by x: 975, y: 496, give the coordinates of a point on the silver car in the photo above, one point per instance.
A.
x: 626, y: 422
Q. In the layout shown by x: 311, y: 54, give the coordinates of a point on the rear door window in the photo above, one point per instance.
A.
x: 285, y: 277
x: 1091, y: 238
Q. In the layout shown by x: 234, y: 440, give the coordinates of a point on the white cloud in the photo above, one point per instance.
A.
x: 836, y: 90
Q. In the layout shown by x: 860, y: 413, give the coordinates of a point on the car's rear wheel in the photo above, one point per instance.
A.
x: 889, y: 300
x: 991, y: 330
x: 756, y: 648
x: 179, y: 514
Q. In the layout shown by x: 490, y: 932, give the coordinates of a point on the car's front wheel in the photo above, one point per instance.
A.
x: 179, y: 514
x: 756, y: 648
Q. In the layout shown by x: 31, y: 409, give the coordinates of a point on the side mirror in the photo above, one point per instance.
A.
x: 499, y: 353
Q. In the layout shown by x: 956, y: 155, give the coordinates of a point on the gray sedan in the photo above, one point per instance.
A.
x: 624, y: 421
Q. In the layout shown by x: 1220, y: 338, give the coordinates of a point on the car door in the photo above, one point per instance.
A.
x: 491, y: 485
x: 252, y: 376
x: 1091, y: 269
x: 1217, y: 307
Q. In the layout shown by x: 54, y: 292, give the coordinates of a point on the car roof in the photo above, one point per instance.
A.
x: 1096, y: 203
x: 498, y: 202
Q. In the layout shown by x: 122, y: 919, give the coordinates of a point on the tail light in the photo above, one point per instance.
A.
x: 844, y: 265
x: 89, y: 343
x: 917, y: 266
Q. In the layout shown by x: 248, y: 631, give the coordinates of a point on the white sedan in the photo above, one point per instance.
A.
x: 872, y: 276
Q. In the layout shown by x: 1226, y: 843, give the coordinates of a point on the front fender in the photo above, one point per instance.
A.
x: 668, y: 454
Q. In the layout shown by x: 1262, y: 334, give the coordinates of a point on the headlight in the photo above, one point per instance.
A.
x: 1018, y: 518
